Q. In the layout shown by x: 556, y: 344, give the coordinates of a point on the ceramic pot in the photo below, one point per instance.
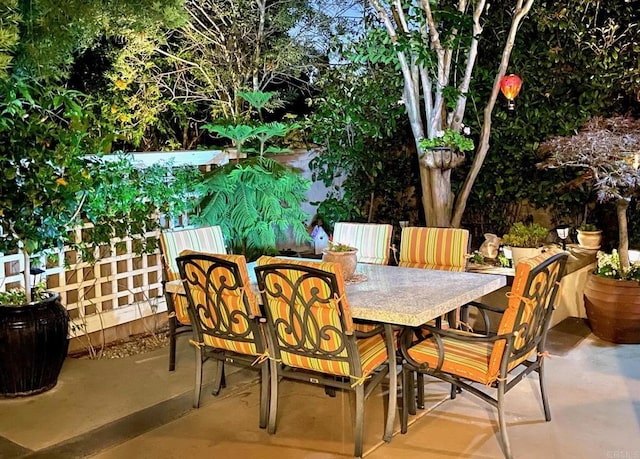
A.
x: 590, y: 239
x: 33, y: 346
x: 522, y: 253
x: 347, y: 261
x: 613, y: 309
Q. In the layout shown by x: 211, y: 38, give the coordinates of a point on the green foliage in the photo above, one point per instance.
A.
x: 525, y: 235
x: 340, y: 247
x: 239, y: 134
x: 574, y: 65
x: 18, y: 297
x: 9, y: 21
x: 359, y: 121
x: 448, y: 138
x: 43, y: 140
x: 52, y: 182
x: 126, y: 201
x: 55, y: 33
x: 256, y: 203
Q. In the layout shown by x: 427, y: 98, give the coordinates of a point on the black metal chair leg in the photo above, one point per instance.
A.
x: 198, y: 382
x: 172, y: 343
x: 506, y: 445
x: 264, y: 393
x: 420, y: 382
x: 407, y: 395
x: 543, y: 393
x: 218, y: 379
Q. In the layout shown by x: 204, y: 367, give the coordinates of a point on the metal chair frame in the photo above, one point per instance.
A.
x: 306, y: 347
x: 532, y: 334
x: 223, y: 318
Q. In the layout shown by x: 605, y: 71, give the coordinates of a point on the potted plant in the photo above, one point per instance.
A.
x: 608, y: 149
x: 525, y: 240
x: 343, y: 254
x: 51, y: 184
x: 445, y: 150
x: 589, y: 236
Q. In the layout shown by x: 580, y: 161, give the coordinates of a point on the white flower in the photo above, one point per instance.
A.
x: 439, y: 134
x: 466, y: 130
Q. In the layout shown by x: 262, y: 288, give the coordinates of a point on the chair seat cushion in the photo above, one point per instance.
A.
x: 373, y: 353
x: 462, y: 358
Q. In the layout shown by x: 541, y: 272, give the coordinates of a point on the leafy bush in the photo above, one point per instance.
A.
x: 529, y: 235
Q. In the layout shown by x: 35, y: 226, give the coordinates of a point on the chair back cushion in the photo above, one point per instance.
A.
x: 434, y: 248
x: 207, y: 239
x: 222, y: 305
x: 373, y: 240
x: 308, y: 315
x: 531, y: 302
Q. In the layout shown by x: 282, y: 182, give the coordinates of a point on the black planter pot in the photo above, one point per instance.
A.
x: 33, y: 345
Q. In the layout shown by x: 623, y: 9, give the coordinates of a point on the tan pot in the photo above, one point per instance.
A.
x: 522, y: 253
x: 442, y: 158
x: 590, y: 239
x: 613, y: 309
x: 347, y: 261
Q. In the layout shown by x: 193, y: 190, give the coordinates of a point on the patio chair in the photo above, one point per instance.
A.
x: 206, y: 239
x: 312, y: 338
x: 226, y: 319
x: 443, y: 249
x: 373, y: 240
x: 492, y: 361
x: 434, y: 248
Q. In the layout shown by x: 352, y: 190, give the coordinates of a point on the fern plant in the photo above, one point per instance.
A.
x: 257, y: 203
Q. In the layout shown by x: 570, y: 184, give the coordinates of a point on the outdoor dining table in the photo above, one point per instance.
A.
x: 409, y: 296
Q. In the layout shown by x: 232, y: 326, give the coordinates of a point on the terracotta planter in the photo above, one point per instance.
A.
x: 590, y: 239
x: 347, y: 261
x: 613, y: 309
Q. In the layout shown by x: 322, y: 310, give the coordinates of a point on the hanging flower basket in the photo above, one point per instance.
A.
x: 442, y: 157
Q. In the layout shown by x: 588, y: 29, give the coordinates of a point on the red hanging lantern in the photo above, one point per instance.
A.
x: 510, y: 87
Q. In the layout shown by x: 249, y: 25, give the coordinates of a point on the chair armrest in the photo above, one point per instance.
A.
x: 465, y: 336
x: 437, y: 334
x: 485, y: 306
x: 378, y: 329
x: 174, y: 286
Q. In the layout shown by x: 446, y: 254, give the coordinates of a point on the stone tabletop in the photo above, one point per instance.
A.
x: 412, y: 296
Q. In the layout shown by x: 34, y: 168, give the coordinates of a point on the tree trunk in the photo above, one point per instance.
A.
x: 623, y: 234
x: 436, y: 195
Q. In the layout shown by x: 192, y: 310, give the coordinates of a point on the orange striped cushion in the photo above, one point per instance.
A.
x: 372, y: 240
x: 373, y: 353
x: 231, y: 299
x: 434, y: 248
x: 469, y: 360
x: 325, y: 314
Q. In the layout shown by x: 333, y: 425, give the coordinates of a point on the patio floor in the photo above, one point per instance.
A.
x: 135, y: 408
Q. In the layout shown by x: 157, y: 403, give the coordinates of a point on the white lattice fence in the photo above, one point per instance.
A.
x: 119, y: 288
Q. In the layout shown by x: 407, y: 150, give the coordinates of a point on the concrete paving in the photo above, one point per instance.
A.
x: 136, y: 408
